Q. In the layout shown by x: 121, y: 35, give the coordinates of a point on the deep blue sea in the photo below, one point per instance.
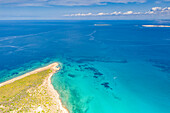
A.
x: 107, y: 66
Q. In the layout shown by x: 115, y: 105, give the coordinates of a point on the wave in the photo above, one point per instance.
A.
x: 91, y: 35
x: 14, y: 37
x: 8, y: 46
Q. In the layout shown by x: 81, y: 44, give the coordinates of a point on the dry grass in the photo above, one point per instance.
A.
x: 29, y: 94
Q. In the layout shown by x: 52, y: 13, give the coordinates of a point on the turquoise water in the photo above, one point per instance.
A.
x: 120, y: 68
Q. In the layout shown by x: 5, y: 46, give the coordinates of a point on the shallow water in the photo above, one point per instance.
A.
x: 120, y: 68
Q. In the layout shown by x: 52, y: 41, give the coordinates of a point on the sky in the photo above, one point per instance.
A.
x: 84, y: 9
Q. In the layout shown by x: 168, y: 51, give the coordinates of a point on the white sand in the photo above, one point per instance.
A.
x: 155, y: 26
x: 47, y: 82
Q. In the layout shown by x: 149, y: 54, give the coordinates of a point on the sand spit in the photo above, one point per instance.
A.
x: 36, y: 98
x: 155, y: 26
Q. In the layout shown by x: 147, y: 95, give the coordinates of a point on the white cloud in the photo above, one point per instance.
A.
x: 64, y: 2
x: 128, y: 13
x: 159, y: 10
x: 153, y: 11
x: 156, y: 9
x: 116, y: 13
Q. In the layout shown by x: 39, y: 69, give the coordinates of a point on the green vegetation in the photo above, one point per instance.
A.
x: 27, y: 94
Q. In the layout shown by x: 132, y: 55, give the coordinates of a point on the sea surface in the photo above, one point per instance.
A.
x: 107, y: 66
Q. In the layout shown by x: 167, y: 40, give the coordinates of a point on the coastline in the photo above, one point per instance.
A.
x: 155, y: 26
x: 29, y: 73
x: 46, y: 84
x: 56, y: 95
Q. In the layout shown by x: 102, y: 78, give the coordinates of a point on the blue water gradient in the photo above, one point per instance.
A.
x: 120, y: 67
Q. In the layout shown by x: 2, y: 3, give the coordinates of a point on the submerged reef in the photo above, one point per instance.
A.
x: 106, y: 85
x: 85, y: 59
x: 162, y: 65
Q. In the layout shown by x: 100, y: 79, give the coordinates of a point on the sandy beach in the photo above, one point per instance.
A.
x: 155, y: 26
x: 51, y: 66
x: 52, y: 93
